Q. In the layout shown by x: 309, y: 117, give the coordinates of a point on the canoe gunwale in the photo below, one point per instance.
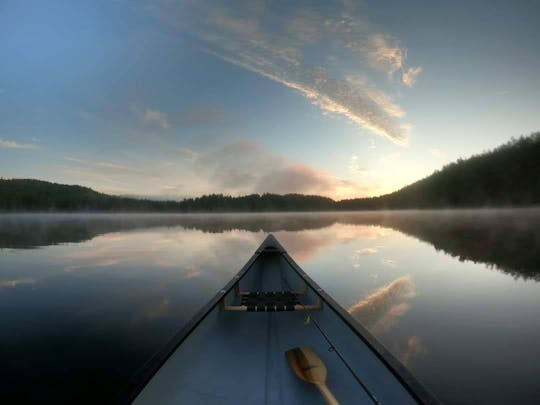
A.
x: 151, y: 367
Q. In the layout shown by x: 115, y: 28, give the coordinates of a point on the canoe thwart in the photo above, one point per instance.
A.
x: 271, y: 301
x: 297, y: 307
x: 269, y: 298
x: 296, y: 292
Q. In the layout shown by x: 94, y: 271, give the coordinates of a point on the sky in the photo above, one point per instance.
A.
x: 345, y: 99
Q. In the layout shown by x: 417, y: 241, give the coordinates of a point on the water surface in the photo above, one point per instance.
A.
x: 85, y: 300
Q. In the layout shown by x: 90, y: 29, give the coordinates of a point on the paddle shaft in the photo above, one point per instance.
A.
x: 327, y: 394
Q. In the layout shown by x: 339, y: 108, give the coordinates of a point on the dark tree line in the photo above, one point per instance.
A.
x: 506, y: 176
x: 37, y: 195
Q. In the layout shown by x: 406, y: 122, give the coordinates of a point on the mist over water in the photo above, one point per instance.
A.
x: 87, y: 299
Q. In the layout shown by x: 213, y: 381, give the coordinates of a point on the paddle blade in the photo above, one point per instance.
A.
x: 307, y: 365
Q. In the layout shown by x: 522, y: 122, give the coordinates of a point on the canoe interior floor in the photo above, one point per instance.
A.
x: 240, y: 358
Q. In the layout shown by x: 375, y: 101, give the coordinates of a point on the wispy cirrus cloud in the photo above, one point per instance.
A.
x: 202, y: 114
x: 187, y: 154
x: 106, y: 168
x: 354, y: 164
x: 116, y: 177
x: 384, y: 53
x: 6, y: 143
x: 152, y: 117
x: 352, y: 99
x: 317, y: 52
x: 410, y: 75
x: 156, y: 117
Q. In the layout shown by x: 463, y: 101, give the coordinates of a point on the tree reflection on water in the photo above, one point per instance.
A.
x: 508, y: 240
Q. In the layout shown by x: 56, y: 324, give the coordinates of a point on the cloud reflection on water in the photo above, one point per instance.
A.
x: 413, y: 350
x: 157, y: 310
x: 390, y: 318
x: 380, y: 310
x: 308, y: 244
x: 163, y: 248
x: 16, y: 282
x: 367, y: 251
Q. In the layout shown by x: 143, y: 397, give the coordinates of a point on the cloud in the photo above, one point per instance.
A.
x: 354, y: 166
x: 237, y: 168
x: 293, y: 49
x: 5, y: 143
x: 187, y: 154
x: 354, y: 100
x: 118, y: 178
x: 107, y: 168
x: 247, y: 167
x: 152, y: 117
x: 304, y: 179
x: 241, y: 26
x: 410, y: 75
x: 386, y: 54
x: 381, y: 99
x: 194, y: 115
x: 306, y: 26
x: 156, y: 117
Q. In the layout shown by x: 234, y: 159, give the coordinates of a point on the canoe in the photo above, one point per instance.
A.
x: 253, y: 340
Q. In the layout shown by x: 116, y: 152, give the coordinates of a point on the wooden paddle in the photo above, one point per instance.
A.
x: 308, y: 366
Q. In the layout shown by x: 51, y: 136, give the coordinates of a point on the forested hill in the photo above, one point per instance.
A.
x: 506, y: 176
x: 36, y: 195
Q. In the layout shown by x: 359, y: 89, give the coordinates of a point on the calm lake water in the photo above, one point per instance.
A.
x: 85, y: 300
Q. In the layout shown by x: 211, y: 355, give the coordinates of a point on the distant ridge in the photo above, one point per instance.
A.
x: 507, y: 176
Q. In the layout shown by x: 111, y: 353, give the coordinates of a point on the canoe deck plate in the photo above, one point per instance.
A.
x: 270, y: 301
